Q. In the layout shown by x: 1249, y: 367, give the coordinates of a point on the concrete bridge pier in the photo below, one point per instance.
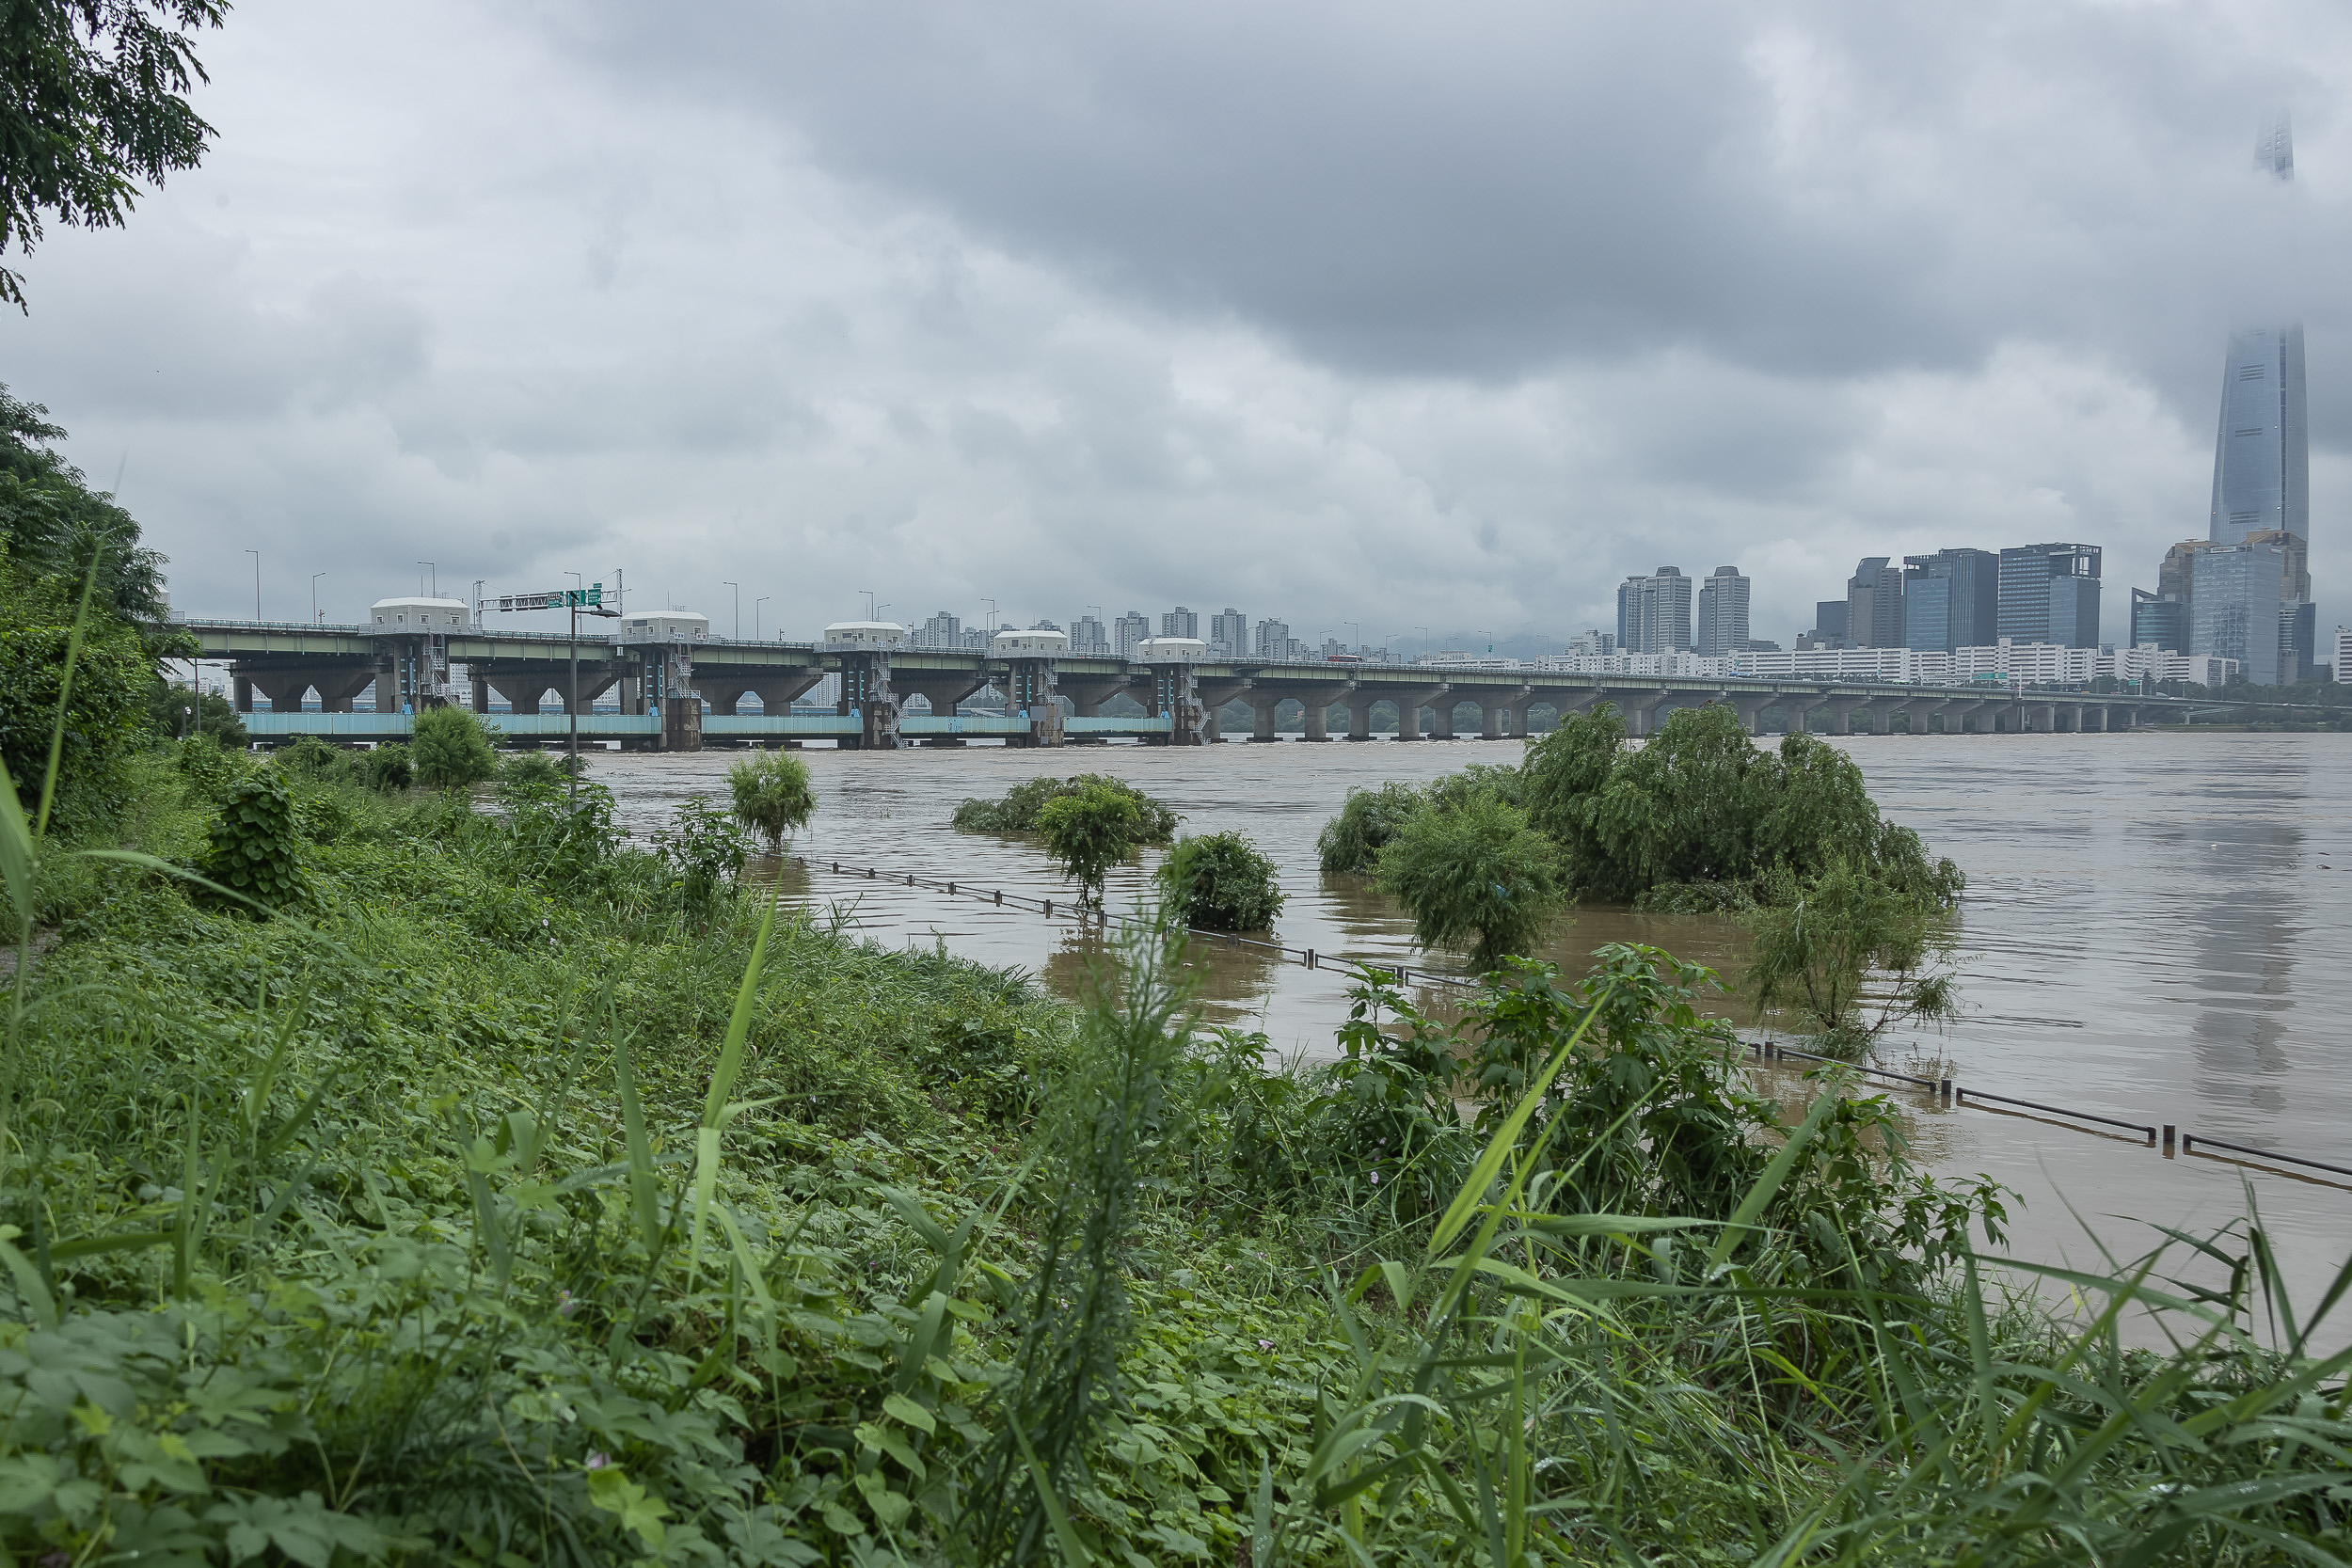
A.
x: 1359, y: 716
x: 943, y: 694
x: 1261, y: 707
x: 1318, y: 703
x: 1919, y: 713
x: 1640, y: 709
x: 1516, y: 709
x: 1408, y: 706
x: 1882, y: 711
x: 1214, y: 694
x: 1441, y: 719
x: 1839, y: 711
x: 522, y: 692
x: 1750, y: 706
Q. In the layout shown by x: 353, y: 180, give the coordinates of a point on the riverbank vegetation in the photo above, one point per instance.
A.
x: 1698, y: 819
x: 1018, y: 810
x: 500, y: 1201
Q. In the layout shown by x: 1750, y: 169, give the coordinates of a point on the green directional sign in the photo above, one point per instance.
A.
x: 589, y: 598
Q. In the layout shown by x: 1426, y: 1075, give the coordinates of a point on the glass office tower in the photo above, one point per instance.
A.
x: 2234, y: 606
x: 2050, y: 594
x: 1951, y: 600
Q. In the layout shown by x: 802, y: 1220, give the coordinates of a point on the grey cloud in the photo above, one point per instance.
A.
x: 1487, y: 188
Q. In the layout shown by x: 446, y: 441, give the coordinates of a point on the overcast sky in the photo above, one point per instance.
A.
x: 1429, y: 315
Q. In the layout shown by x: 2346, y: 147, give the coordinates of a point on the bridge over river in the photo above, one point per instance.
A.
x: 680, y: 694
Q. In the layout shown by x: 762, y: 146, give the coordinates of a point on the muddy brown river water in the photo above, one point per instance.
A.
x: 2155, y: 930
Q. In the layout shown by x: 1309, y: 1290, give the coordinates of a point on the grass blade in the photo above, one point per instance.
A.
x: 722, y: 1084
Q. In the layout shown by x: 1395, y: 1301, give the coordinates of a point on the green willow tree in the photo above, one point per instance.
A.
x: 95, y: 100
x: 1476, y: 878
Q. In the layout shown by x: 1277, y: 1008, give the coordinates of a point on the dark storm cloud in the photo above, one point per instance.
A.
x: 1487, y: 188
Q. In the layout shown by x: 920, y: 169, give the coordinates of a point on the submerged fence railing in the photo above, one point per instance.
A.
x: 1943, y: 1090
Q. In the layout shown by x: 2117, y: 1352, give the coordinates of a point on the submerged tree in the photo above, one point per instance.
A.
x: 1700, y: 808
x: 1476, y: 878
x: 1088, y: 832
x: 1222, y: 883
x: 1854, y: 953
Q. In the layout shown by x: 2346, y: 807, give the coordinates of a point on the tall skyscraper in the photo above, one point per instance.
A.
x: 1952, y: 599
x: 1874, y: 603
x: 1128, y: 631
x: 1181, y: 622
x: 1723, y: 612
x: 1229, y: 634
x: 2262, y: 474
x: 2050, y: 594
x: 2261, y: 483
x: 1654, y: 612
x: 1087, y: 635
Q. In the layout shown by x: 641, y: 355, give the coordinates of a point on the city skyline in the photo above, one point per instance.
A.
x: 878, y: 336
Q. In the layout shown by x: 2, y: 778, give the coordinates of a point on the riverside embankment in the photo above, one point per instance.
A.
x: 2153, y: 930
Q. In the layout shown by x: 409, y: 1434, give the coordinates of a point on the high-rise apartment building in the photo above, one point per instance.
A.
x: 2233, y: 605
x: 1595, y: 643
x: 1273, y: 640
x: 1951, y: 600
x: 1229, y: 634
x: 1654, y: 612
x: 2050, y: 594
x: 1129, y: 632
x: 1087, y: 635
x: 942, y: 630
x: 1874, y: 603
x: 1179, y: 622
x: 1723, y: 627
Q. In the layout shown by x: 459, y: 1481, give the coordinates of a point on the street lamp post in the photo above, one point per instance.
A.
x: 314, y: 596
x: 739, y: 608
x: 1425, y: 643
x: 756, y: 604
x: 256, y: 582
x: 435, y: 572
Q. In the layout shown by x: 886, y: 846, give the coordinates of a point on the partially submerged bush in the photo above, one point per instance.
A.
x: 1020, y: 809
x: 1219, y: 882
x: 1476, y: 878
x: 772, y: 795
x: 1352, y: 841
